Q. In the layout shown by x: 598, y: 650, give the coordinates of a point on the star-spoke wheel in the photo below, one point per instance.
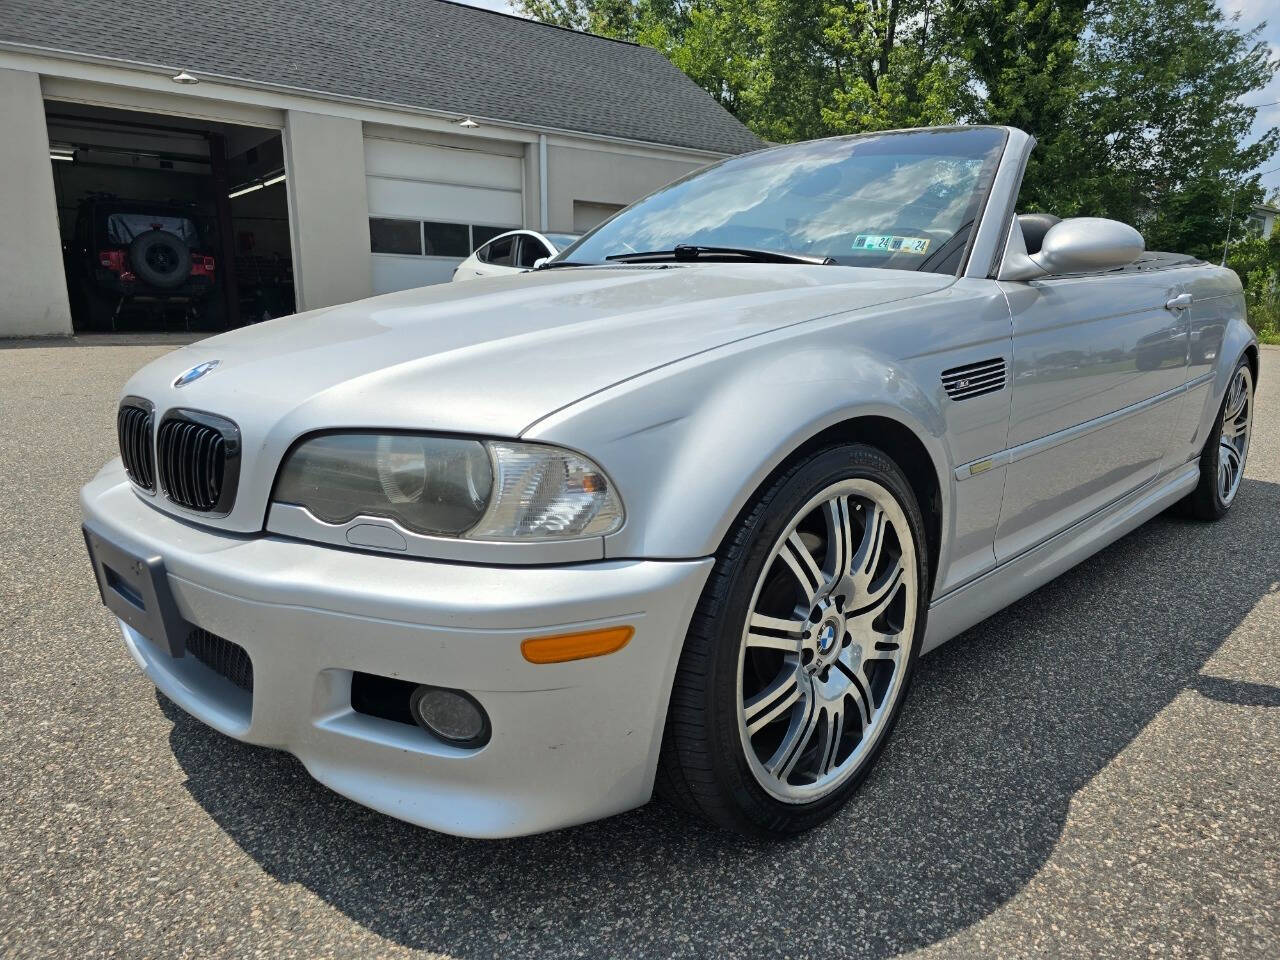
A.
x: 827, y: 639
x: 1233, y: 444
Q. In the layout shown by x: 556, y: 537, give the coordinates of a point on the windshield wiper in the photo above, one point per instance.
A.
x: 552, y: 264
x: 689, y: 252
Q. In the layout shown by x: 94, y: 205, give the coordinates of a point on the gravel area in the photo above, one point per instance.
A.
x: 1093, y: 772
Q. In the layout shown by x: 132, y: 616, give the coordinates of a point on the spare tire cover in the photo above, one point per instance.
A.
x: 160, y: 258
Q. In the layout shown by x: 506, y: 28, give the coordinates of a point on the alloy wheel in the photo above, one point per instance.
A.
x: 1233, y: 444
x: 827, y: 639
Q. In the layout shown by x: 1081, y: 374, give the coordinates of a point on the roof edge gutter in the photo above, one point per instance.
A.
x: 168, y: 71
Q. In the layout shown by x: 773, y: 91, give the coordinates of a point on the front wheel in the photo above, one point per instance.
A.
x: 802, y: 647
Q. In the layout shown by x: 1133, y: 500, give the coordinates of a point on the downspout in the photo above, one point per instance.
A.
x: 542, y: 181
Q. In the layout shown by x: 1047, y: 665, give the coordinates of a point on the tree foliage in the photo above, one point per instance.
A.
x: 1135, y: 104
x: 1257, y: 261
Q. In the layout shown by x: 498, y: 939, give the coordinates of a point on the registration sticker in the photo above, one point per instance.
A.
x: 890, y: 244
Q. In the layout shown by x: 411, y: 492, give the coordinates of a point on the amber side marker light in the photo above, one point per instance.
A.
x: 576, y: 646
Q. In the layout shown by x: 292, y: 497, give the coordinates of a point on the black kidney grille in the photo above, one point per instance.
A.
x: 133, y: 428
x: 198, y: 461
x: 974, y: 379
x: 223, y: 657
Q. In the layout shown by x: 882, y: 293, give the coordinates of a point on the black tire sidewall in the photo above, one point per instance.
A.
x: 764, y: 813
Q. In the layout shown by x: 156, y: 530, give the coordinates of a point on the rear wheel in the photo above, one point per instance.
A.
x: 1225, y: 451
x: 802, y: 647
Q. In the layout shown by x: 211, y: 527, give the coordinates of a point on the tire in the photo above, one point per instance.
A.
x: 739, y: 748
x: 1219, y: 479
x: 160, y: 259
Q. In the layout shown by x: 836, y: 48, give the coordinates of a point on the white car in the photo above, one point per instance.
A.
x: 512, y: 252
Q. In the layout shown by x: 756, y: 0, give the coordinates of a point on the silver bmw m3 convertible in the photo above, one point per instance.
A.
x: 678, y: 510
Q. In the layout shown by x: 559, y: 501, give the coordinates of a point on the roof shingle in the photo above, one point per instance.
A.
x: 418, y: 53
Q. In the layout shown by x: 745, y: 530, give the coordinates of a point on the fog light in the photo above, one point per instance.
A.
x: 452, y: 715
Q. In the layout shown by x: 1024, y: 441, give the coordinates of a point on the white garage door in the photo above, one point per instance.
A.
x: 430, y: 206
x: 587, y: 216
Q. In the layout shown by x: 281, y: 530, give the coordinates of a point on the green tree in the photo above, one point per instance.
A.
x: 898, y: 64
x: 1159, y: 126
x: 797, y: 69
x: 1024, y: 56
x: 1135, y: 104
x: 1256, y: 259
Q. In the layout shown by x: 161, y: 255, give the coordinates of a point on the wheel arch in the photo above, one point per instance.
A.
x: 1251, y: 354
x: 897, y: 441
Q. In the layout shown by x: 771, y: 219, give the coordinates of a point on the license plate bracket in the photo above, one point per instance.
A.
x: 136, y: 589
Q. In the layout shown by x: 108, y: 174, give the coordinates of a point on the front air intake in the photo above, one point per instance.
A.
x: 198, y: 456
x: 223, y: 657
x: 974, y: 379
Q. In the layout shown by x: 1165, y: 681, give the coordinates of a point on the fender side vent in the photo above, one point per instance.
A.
x: 974, y: 379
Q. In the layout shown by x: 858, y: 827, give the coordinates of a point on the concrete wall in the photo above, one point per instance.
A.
x: 33, y: 290
x: 602, y: 177
x: 329, y: 208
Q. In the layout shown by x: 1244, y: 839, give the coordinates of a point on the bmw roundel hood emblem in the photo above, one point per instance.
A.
x: 195, y: 373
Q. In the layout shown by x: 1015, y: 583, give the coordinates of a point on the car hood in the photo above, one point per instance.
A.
x: 488, y: 357
x: 494, y: 355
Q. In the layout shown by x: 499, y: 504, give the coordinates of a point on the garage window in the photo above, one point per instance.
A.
x: 482, y: 235
x: 395, y: 236
x: 447, y: 239
x: 431, y: 238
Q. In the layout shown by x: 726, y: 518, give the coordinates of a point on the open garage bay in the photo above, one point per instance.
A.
x: 169, y: 223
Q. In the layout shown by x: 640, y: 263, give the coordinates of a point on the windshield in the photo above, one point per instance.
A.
x: 122, y: 228
x: 901, y: 200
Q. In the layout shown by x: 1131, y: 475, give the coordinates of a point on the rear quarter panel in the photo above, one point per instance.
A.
x: 1219, y: 335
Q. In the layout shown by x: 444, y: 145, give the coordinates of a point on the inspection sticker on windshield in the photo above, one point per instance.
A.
x: 890, y: 244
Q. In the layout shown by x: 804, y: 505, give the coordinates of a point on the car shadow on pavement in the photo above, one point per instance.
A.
x: 1004, y: 726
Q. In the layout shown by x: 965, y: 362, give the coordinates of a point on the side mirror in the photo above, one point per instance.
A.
x: 541, y: 262
x: 1078, y: 245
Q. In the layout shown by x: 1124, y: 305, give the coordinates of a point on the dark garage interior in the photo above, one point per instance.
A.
x: 169, y: 223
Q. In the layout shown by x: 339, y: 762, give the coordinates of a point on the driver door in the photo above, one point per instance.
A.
x: 1098, y: 365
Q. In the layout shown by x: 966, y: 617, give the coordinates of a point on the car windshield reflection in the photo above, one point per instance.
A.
x: 900, y: 200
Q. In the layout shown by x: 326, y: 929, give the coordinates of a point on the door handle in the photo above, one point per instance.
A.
x: 1180, y: 302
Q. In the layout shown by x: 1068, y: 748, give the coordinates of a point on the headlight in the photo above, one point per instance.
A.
x: 442, y: 486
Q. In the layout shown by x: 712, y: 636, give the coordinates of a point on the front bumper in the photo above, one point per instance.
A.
x: 571, y: 742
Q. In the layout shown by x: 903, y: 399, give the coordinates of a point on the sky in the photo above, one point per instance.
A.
x: 1252, y: 12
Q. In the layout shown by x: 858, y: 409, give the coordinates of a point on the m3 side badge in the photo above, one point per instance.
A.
x: 195, y: 373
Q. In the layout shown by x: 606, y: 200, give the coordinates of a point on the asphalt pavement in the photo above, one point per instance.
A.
x: 1093, y: 772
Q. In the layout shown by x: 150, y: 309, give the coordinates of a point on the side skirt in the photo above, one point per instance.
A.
x: 993, y: 591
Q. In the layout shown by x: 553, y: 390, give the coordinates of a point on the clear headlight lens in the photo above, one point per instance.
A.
x: 441, y: 486
x: 544, y: 493
x: 432, y: 485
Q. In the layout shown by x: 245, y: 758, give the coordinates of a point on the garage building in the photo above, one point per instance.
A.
x: 168, y: 167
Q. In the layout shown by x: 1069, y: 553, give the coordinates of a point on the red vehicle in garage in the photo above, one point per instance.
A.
x: 133, y: 256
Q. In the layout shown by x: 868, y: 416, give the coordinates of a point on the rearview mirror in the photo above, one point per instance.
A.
x: 1078, y: 245
x: 541, y: 262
